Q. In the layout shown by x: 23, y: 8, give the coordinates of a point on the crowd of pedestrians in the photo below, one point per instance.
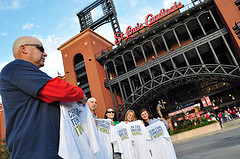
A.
x: 229, y: 114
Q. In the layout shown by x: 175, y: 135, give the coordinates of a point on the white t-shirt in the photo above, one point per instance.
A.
x: 140, y: 135
x: 125, y: 134
x: 118, y: 146
x: 160, y: 145
x: 78, y: 134
x: 93, y: 136
x: 107, y: 137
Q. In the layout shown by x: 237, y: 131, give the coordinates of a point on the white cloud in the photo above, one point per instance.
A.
x: 147, y: 10
x: 74, y: 21
x: 133, y: 3
x: 106, y: 32
x: 8, y: 5
x: 29, y: 26
x: 53, y: 62
x: 168, y: 3
x: 4, y: 34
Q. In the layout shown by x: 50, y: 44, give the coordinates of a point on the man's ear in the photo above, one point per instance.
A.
x: 23, y: 49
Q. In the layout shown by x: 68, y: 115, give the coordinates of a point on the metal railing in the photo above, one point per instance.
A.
x: 185, y: 8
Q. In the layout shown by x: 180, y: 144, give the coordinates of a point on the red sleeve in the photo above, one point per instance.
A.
x: 59, y: 90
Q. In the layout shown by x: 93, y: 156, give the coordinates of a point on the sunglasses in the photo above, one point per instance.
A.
x: 110, y: 111
x: 39, y: 47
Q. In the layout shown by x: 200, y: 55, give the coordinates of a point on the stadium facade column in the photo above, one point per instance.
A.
x: 88, y: 43
x: 230, y: 14
x: 2, y: 122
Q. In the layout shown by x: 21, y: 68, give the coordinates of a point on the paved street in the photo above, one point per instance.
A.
x: 221, y: 145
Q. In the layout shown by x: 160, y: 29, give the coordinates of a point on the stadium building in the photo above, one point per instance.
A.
x: 185, y: 55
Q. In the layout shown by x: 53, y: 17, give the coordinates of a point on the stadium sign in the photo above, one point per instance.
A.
x: 150, y: 20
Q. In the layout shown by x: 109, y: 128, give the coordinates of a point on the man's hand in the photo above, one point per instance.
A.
x: 112, y: 123
x: 83, y: 100
x: 95, y: 120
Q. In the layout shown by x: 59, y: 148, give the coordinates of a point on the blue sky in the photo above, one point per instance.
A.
x: 55, y: 21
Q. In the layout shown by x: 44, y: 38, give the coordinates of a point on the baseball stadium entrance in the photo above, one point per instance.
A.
x: 183, y: 56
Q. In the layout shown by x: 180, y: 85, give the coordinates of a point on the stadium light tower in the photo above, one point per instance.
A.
x: 109, y: 14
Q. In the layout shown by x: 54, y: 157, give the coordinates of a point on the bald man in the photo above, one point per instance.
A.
x: 92, y: 104
x: 31, y: 102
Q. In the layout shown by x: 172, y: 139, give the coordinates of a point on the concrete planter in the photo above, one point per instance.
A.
x: 196, y: 132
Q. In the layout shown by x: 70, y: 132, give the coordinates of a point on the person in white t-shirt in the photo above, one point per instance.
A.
x: 110, y: 114
x: 79, y: 138
x: 127, y: 141
x: 148, y: 119
x: 142, y: 138
x: 140, y: 135
x: 160, y: 145
x: 124, y: 132
x: 107, y: 137
x: 130, y: 116
x: 92, y: 104
x: 117, y: 147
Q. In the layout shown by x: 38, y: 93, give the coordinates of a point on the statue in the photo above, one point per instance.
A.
x: 160, y: 106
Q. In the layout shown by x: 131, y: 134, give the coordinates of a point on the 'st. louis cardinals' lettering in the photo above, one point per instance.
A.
x: 150, y: 20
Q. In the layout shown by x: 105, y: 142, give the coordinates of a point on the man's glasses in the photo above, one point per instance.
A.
x: 39, y: 47
x: 110, y: 111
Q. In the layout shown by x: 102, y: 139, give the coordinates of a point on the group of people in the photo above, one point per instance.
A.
x: 229, y: 114
x: 130, y: 115
x: 37, y: 107
x: 139, y: 132
x: 130, y: 119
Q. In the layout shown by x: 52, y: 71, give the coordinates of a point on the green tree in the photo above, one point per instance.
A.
x: 4, y: 153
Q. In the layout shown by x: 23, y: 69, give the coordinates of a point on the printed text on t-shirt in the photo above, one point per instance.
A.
x: 123, y: 134
x: 155, y: 132
x: 74, y: 114
x: 136, y: 130
x: 103, y: 126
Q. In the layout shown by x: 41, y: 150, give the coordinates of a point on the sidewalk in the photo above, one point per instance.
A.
x: 233, y: 124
